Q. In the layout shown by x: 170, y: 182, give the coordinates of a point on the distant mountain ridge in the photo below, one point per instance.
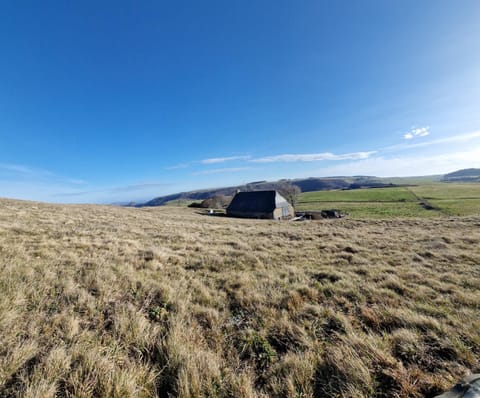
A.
x: 316, y: 184
x: 305, y: 184
x: 464, y: 175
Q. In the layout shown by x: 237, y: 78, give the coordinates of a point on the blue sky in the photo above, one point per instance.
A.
x: 114, y: 101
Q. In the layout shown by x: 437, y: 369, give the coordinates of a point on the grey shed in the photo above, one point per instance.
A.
x: 260, y: 204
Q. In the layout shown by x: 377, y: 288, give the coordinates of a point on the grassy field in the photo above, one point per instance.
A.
x: 396, y: 194
x: 373, y: 210
x: 452, y: 199
x: 448, y: 191
x: 448, y: 199
x: 181, y: 202
x: 100, y: 301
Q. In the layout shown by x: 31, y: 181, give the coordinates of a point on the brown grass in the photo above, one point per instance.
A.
x: 119, y: 302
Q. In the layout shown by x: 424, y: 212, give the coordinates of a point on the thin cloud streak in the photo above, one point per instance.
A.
x: 19, y: 172
x: 445, y: 140
x: 120, y: 189
x: 75, y: 181
x: 224, y: 159
x: 207, y: 161
x: 328, y: 156
x: 402, y: 166
x: 224, y: 170
x: 23, y: 170
x: 313, y: 157
x: 17, y: 168
x: 142, y: 186
x: 178, y: 166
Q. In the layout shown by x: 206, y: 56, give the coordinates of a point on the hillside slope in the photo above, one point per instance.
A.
x: 465, y: 175
x: 306, y: 185
x: 108, y: 301
x: 313, y: 184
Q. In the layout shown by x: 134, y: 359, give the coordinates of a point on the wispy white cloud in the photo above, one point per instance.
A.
x: 313, y: 157
x: 76, y: 181
x: 178, y: 166
x: 445, y: 140
x: 207, y: 161
x: 22, y: 170
x: 132, y: 188
x: 417, y: 132
x: 224, y: 170
x: 404, y: 165
x: 224, y: 159
x: 16, y: 168
x: 139, y: 187
x: 26, y: 182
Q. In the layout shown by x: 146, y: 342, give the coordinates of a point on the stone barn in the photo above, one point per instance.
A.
x: 260, y: 204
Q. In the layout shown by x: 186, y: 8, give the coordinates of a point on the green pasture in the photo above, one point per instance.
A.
x: 456, y: 199
x: 181, y: 202
x: 458, y: 207
x: 447, y: 190
x: 373, y: 209
x: 461, y: 199
x: 396, y: 194
x: 413, y: 180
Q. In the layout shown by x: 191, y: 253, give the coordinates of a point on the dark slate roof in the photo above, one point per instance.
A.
x: 257, y: 201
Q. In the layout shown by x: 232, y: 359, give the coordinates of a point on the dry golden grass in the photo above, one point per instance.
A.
x: 119, y: 302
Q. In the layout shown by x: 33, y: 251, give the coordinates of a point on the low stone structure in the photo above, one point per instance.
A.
x: 260, y: 204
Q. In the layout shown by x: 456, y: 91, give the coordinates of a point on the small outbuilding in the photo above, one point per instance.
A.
x: 260, y: 204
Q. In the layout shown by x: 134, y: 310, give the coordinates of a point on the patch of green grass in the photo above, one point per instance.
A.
x: 458, y: 207
x: 181, y: 202
x: 444, y: 190
x: 360, y: 210
x: 457, y: 199
x: 413, y: 180
x: 395, y: 194
x: 367, y: 203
